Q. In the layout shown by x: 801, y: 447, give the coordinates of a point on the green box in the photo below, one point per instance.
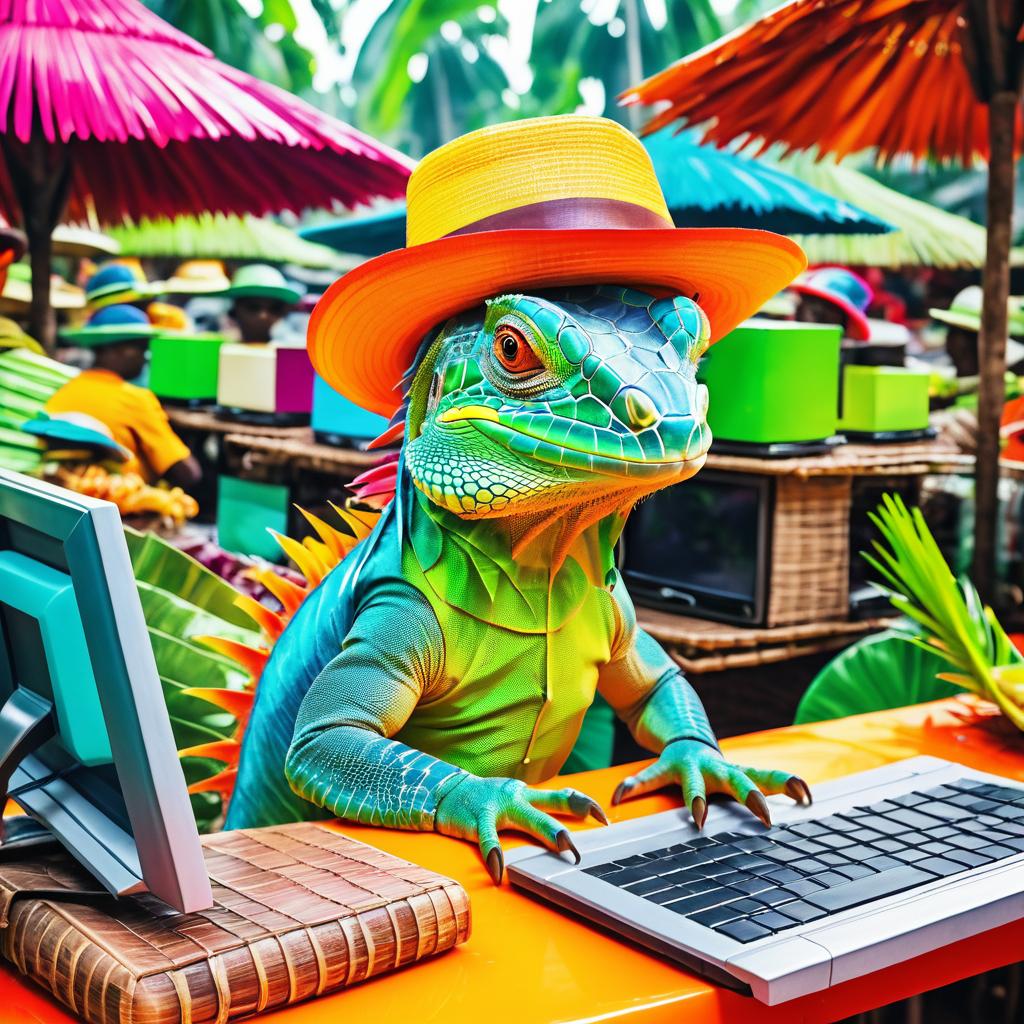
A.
x: 772, y: 381
x: 245, y: 510
x: 879, y: 399
x: 184, y: 368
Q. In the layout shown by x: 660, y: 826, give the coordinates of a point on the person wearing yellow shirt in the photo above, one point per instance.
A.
x: 119, y: 336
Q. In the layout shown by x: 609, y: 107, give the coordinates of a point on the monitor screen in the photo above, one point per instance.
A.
x: 85, y: 741
x: 700, y: 547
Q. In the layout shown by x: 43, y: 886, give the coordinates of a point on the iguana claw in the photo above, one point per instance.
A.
x: 478, y: 809
x: 700, y: 769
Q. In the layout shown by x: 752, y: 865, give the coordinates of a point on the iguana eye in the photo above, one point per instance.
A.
x: 513, y: 351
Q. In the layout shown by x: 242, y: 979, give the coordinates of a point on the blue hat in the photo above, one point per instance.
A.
x: 109, y: 325
x: 843, y: 288
x: 73, y: 429
x: 117, y: 283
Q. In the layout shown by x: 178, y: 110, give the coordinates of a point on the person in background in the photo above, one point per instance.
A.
x: 963, y: 324
x: 119, y: 336
x: 261, y: 297
x: 834, y: 295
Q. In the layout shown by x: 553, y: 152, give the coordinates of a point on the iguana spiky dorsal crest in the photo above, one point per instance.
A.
x: 315, y: 559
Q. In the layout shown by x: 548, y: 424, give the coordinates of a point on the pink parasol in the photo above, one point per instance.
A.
x: 109, y: 112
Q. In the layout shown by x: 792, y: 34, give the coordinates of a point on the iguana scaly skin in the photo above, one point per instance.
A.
x: 449, y: 660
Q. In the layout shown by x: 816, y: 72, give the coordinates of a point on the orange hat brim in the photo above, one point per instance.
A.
x: 365, y: 330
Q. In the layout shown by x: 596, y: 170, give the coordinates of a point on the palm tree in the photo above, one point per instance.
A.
x: 262, y: 45
x: 425, y: 73
x: 628, y: 43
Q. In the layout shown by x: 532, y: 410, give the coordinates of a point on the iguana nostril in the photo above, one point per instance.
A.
x: 640, y: 409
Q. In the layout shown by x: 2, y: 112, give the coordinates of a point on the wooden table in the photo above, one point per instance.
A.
x: 206, y: 421
x: 527, y: 963
x: 300, y: 451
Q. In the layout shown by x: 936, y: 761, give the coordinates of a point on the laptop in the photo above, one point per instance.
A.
x: 886, y: 865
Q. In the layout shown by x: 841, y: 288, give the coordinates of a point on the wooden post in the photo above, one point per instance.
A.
x: 40, y: 174
x: 992, y: 338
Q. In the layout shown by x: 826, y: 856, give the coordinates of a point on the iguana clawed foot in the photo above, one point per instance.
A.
x: 701, y: 770
x: 477, y: 809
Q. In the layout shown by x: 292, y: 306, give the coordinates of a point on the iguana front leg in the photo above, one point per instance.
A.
x: 342, y: 756
x: 665, y: 715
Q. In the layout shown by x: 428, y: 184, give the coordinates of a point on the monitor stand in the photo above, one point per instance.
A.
x: 26, y: 723
x: 777, y: 449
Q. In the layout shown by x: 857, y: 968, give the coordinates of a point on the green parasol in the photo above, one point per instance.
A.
x: 225, y: 237
x: 926, y: 235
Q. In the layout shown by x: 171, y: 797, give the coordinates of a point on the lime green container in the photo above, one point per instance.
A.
x: 879, y: 399
x: 184, y: 367
x: 771, y: 381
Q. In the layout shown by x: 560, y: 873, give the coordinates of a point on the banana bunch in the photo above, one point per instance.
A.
x: 129, y: 492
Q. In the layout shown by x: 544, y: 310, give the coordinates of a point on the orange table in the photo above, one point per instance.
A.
x: 525, y: 962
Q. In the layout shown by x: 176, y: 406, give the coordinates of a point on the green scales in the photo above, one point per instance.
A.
x: 183, y: 368
x: 774, y: 389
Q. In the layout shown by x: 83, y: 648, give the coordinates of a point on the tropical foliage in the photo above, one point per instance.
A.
x: 183, y: 600
x: 947, y: 614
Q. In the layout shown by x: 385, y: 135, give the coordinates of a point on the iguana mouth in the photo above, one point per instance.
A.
x: 521, y: 442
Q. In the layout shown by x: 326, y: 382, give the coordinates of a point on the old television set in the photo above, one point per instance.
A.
x: 702, y: 548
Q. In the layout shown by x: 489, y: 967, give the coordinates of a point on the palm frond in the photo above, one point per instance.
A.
x: 945, y: 614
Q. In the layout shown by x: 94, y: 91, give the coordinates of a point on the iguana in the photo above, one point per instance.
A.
x: 447, y: 662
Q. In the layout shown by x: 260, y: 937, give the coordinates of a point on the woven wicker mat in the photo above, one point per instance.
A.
x: 299, y: 911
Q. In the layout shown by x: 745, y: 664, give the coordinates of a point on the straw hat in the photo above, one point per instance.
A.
x: 845, y: 289
x: 110, y: 325
x: 17, y: 291
x: 965, y: 311
x: 535, y: 203
x: 198, y: 277
x: 261, y: 281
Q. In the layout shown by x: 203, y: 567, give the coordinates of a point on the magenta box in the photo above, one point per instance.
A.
x: 293, y: 385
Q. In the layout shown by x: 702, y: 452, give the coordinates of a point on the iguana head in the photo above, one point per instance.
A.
x: 587, y: 395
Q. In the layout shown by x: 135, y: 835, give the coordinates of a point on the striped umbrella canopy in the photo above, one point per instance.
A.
x: 220, y: 236
x: 935, y: 79
x: 108, y: 113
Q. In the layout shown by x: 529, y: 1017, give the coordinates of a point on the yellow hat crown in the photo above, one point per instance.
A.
x: 535, y: 173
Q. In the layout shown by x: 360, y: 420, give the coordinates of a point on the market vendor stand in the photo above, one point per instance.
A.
x: 528, y: 963
x: 754, y: 676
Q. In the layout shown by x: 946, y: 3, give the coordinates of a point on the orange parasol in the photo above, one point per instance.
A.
x: 935, y: 79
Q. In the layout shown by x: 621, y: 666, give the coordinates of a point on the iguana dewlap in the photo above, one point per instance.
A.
x: 449, y: 660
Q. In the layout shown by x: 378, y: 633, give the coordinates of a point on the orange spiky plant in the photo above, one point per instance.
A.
x: 314, y: 557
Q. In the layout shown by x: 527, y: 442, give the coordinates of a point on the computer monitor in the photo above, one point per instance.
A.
x: 701, y: 548
x: 86, y: 746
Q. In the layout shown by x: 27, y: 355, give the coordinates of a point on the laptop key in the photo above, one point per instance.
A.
x: 783, y: 854
x: 751, y: 862
x: 882, y: 863
x: 649, y: 885
x: 890, y: 846
x: 628, y: 875
x: 743, y: 930
x: 853, y: 871
x: 776, y: 920
x: 775, y: 897
x: 600, y: 870
x: 864, y: 890
x: 782, y: 875
x: 753, y: 885
x: 969, y: 842
x: 801, y: 912
x: 808, y: 829
x: 804, y: 886
x: 715, y: 915
x: 913, y: 819
x: 755, y: 844
x: 947, y: 812
x: 676, y: 892
x: 701, y: 901
x: 830, y: 878
x: 940, y: 866
x: 936, y: 849
x: 632, y: 862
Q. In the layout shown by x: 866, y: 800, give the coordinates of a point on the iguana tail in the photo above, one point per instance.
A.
x: 314, y: 558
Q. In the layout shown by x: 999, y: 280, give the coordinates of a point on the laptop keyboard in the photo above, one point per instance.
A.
x: 751, y: 886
